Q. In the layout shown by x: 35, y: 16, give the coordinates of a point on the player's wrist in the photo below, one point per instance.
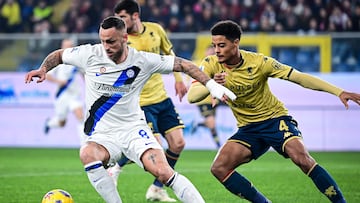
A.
x: 211, y: 84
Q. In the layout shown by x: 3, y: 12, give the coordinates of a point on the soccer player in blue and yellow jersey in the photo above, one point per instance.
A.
x: 159, y: 110
x: 263, y: 121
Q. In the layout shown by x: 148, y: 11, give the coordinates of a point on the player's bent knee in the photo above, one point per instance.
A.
x: 216, y: 170
x: 304, y: 162
x: 89, y: 153
x: 178, y: 146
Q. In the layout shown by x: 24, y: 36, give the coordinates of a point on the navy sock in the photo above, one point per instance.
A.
x: 215, y: 137
x: 123, y: 161
x: 240, y: 186
x: 172, y: 158
x: 326, y: 184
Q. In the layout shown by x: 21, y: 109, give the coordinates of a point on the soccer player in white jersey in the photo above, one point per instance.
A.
x: 160, y: 112
x: 68, y: 95
x: 114, y: 76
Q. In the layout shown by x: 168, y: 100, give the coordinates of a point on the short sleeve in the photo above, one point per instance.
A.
x: 78, y: 56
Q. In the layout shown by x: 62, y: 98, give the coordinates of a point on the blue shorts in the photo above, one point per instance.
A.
x: 260, y: 136
x: 206, y: 110
x: 162, y: 117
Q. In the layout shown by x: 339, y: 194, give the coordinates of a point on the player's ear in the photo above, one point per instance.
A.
x: 135, y: 16
x: 236, y: 42
x: 125, y: 36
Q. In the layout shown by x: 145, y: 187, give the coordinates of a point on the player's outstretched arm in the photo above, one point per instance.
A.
x: 197, y: 92
x: 216, y: 90
x: 51, y: 61
x: 312, y: 82
x: 346, y: 96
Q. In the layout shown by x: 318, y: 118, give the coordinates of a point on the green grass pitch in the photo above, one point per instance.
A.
x: 27, y: 174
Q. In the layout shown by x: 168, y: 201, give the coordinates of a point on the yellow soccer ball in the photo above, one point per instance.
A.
x: 57, y: 196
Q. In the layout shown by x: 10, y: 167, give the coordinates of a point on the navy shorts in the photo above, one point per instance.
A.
x: 260, y: 136
x: 206, y: 110
x: 162, y: 117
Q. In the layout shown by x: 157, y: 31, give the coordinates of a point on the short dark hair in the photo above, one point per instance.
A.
x: 130, y: 6
x: 113, y: 21
x: 228, y: 28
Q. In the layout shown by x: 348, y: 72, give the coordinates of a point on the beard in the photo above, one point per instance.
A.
x: 116, y: 56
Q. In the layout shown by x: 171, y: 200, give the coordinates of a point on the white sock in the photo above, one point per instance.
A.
x: 102, y: 182
x: 185, y: 190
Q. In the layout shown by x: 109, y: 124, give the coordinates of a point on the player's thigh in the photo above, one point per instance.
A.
x: 137, y: 141
x: 298, y: 153
x: 175, y: 140
x: 231, y: 155
x: 104, y: 146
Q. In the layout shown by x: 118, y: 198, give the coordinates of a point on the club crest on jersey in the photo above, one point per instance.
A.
x: 130, y: 73
x: 207, y: 59
x: 250, y: 72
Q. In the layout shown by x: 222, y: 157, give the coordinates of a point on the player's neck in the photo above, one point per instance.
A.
x: 124, y: 55
x: 236, y: 62
x: 139, y: 28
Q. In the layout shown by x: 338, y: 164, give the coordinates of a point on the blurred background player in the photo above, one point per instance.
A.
x: 207, y: 111
x: 159, y: 110
x: 68, y: 96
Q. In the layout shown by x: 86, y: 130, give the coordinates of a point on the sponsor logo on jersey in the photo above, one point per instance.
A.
x: 276, y: 65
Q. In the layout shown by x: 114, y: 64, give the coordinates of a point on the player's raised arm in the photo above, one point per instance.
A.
x: 51, y: 61
x: 216, y: 90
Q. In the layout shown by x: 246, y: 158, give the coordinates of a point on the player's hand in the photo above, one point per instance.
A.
x: 180, y: 90
x: 220, y: 92
x: 39, y: 73
x: 220, y: 78
x: 346, y: 96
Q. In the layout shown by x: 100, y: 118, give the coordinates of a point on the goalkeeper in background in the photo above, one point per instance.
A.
x: 263, y: 121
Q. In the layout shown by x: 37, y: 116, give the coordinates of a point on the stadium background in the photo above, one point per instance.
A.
x: 320, y: 37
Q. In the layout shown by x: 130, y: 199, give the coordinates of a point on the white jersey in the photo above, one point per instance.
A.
x: 113, y: 90
x: 66, y: 73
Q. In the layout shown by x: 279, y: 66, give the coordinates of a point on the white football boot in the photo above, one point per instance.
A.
x: 155, y: 193
x: 114, y: 172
